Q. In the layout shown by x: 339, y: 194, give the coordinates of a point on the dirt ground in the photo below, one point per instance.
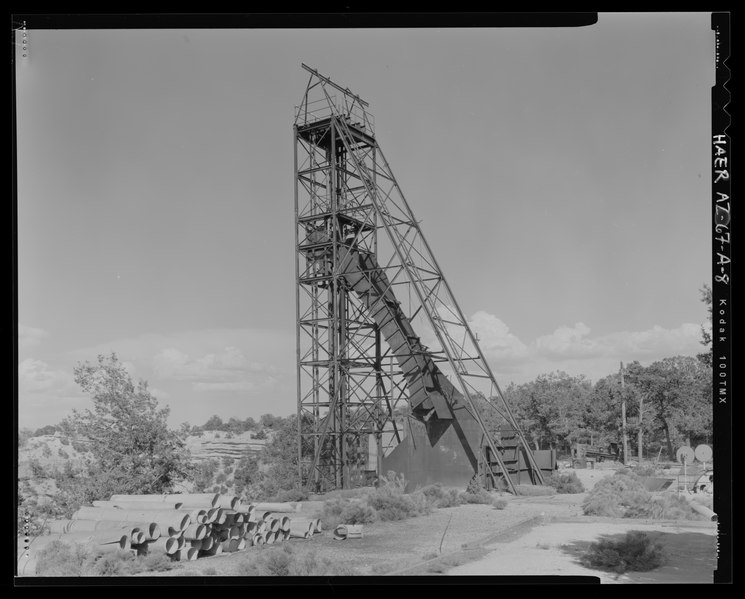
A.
x: 531, y: 536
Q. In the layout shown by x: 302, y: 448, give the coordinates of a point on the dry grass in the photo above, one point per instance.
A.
x: 623, y: 496
x: 63, y: 559
x: 282, y: 561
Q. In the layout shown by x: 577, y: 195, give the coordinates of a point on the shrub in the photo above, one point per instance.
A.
x: 645, y: 470
x: 621, y: 495
x: 117, y: 563
x: 481, y: 496
x: 155, y: 562
x: 534, y: 490
x: 79, y: 447
x: 566, y: 482
x: 392, y: 484
x: 499, y: 503
x: 441, y: 497
x: 393, y: 506
x: 636, y: 552
x: 310, y: 565
x: 670, y: 506
x: 37, y: 470
x: 283, y: 561
x: 63, y: 559
x: 344, y: 511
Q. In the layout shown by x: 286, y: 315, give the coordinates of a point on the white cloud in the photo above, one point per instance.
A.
x: 30, y: 336
x: 575, y: 343
x: 568, y: 342
x: 227, y: 370
x: 45, y: 395
x: 495, y: 338
x: 35, y: 376
x: 175, y: 364
x: 683, y: 340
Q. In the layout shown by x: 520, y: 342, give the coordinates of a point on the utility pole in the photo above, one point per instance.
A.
x: 641, y: 429
x: 623, y: 420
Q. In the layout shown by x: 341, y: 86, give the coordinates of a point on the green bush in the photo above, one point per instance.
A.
x: 618, y: 496
x: 669, y: 506
x: 482, y: 496
x: 155, y: 562
x: 392, y: 484
x: 339, y: 510
x: 635, y: 552
x: 118, y: 563
x: 534, y: 490
x: 283, y: 561
x: 645, y: 470
x: 37, y: 470
x: 394, y: 506
x: 565, y: 482
x: 63, y: 559
x: 440, y: 497
x: 499, y: 503
x: 75, y: 559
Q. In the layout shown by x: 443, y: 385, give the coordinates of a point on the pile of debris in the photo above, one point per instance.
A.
x: 181, y: 526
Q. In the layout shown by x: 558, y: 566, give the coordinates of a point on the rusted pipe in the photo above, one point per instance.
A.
x: 701, y: 509
x: 348, y: 531
x: 208, y: 542
x: 169, y: 520
x: 151, y: 529
x: 167, y: 545
x: 279, y: 507
x: 232, y: 545
x: 197, y: 500
x: 195, y: 532
x: 272, y: 524
x: 138, y: 505
x: 99, y: 537
x: 301, y: 527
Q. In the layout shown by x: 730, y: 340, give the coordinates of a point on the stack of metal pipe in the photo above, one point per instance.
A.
x: 181, y: 526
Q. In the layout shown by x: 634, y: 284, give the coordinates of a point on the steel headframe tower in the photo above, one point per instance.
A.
x: 359, y: 250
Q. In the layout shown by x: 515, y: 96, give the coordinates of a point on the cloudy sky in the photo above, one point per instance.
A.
x: 561, y: 177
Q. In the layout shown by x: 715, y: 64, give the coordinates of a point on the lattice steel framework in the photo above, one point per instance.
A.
x: 355, y: 230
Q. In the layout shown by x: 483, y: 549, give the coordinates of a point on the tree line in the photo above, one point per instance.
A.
x: 133, y: 450
x: 667, y: 404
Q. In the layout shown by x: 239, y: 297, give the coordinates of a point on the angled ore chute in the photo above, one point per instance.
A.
x: 432, y: 397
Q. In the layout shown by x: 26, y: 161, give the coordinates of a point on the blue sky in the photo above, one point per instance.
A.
x: 561, y: 177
